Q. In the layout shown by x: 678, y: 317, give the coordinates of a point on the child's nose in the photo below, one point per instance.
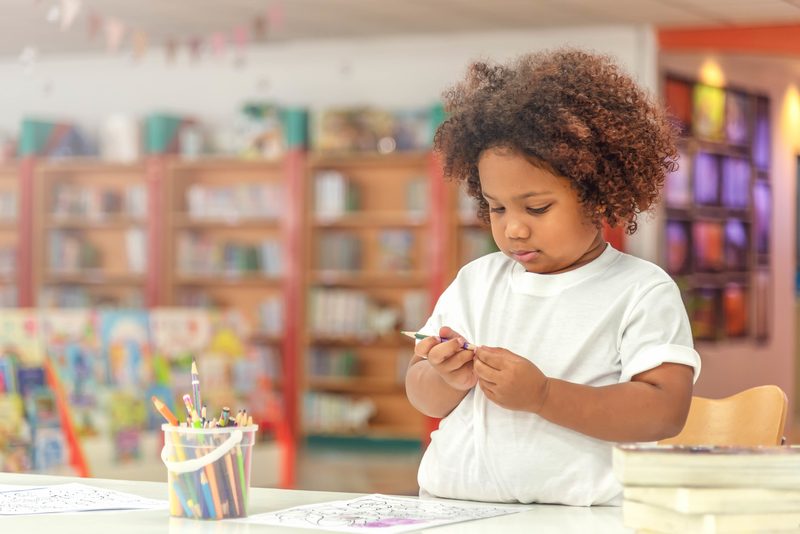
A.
x: 515, y: 229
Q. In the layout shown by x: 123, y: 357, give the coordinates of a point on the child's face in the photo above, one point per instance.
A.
x: 535, y: 215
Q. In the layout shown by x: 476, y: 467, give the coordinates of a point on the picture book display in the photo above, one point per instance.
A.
x: 379, y: 513
x: 719, y: 209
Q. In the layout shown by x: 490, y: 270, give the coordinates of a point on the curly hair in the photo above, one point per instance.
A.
x: 573, y: 113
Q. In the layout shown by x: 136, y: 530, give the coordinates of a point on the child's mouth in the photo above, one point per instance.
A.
x: 523, y: 256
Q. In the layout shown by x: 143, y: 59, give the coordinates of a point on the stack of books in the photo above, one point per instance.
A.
x: 248, y: 201
x: 709, y: 490
x: 335, y: 196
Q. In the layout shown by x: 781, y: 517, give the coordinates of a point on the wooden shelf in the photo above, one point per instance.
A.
x: 374, y: 342
x: 404, y: 432
x: 368, y: 279
x: 356, y: 384
x: 110, y: 223
x: 222, y: 163
x: 8, y: 226
x: 369, y: 159
x: 220, y: 280
x: 183, y: 220
x: 87, y: 165
x: 263, y: 339
x: 93, y: 278
x: 367, y: 219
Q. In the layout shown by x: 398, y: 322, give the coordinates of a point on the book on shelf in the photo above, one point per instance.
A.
x: 656, y: 519
x: 339, y: 251
x: 717, y: 500
x: 335, y: 195
x: 476, y: 243
x: 395, y: 250
x: 403, y: 360
x: 270, y: 317
x: 9, y: 206
x: 136, y: 249
x: 417, y: 193
x: 676, y: 466
x: 337, y: 313
x: 95, y: 203
x: 201, y: 254
x: 416, y: 309
x: 246, y: 201
x: 8, y: 260
x: 8, y: 297
x: 70, y: 252
x: 324, y: 362
x: 467, y: 207
x: 330, y: 412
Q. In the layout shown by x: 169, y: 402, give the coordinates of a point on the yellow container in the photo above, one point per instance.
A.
x: 209, y: 470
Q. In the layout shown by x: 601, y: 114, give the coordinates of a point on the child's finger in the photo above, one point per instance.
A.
x: 424, y: 347
x: 448, y: 333
x: 456, y: 361
x: 443, y: 351
x: 490, y: 357
x: 485, y: 372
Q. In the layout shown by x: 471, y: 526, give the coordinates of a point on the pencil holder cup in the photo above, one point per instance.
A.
x: 209, y: 470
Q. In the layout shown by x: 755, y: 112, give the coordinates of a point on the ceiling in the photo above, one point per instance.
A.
x: 23, y: 22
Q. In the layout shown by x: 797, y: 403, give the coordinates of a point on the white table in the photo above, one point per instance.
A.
x: 538, y: 519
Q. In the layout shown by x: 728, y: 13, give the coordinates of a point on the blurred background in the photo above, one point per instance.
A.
x: 251, y: 184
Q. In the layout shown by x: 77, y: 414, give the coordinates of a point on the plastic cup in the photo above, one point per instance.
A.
x: 209, y: 470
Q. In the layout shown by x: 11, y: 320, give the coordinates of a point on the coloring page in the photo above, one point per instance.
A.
x: 72, y: 498
x: 379, y: 513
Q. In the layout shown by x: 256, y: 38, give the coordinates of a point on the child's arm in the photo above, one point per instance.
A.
x: 436, y: 385
x: 652, y: 407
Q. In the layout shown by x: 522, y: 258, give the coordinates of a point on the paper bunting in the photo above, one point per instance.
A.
x: 171, y: 50
x: 140, y: 43
x: 115, y: 30
x: 217, y: 42
x: 276, y: 17
x: 260, y: 29
x: 95, y: 24
x: 195, y: 46
x: 69, y: 10
x: 28, y: 59
x: 241, y: 36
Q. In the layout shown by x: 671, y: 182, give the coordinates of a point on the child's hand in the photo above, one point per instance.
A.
x: 447, y: 358
x: 511, y: 381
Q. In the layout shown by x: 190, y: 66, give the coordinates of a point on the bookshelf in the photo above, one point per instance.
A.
x: 367, y: 274
x: 90, y: 223
x: 9, y: 236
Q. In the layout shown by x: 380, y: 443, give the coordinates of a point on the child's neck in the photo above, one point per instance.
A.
x: 594, y: 251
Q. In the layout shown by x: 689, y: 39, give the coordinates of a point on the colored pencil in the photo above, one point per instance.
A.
x: 183, y: 501
x: 226, y: 412
x: 240, y: 461
x: 187, y: 401
x: 234, y: 486
x: 196, y: 385
x: 417, y: 335
x: 163, y: 410
x: 207, y: 494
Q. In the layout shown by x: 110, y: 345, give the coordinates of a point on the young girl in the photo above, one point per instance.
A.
x: 580, y: 345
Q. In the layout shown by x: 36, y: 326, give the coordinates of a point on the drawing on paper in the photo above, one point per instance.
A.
x: 379, y: 512
x: 72, y: 498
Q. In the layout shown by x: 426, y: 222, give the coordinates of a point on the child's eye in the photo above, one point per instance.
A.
x: 539, y: 210
x: 497, y: 210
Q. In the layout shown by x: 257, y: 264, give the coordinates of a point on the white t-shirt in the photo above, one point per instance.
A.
x: 597, y: 325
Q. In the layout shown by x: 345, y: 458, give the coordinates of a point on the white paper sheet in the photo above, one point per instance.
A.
x: 13, y: 487
x: 379, y: 513
x: 72, y: 498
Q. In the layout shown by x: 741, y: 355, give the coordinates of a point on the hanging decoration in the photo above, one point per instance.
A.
x: 140, y: 42
x: 260, y: 28
x: 95, y: 25
x: 171, y: 50
x: 115, y: 31
x: 195, y: 46
x: 53, y: 14
x: 69, y: 11
x: 276, y: 17
x: 217, y: 42
x: 28, y: 59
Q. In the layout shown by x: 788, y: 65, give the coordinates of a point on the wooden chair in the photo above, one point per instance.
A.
x: 751, y: 418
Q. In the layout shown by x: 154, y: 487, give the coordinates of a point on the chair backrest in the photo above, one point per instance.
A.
x: 751, y: 418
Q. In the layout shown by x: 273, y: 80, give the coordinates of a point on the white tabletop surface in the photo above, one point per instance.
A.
x: 537, y: 519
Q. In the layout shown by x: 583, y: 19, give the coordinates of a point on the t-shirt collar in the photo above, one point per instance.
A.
x: 546, y: 285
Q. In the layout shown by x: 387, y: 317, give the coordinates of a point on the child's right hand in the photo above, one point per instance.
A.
x: 447, y: 358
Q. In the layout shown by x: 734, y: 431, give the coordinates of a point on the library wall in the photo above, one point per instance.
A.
x: 730, y: 367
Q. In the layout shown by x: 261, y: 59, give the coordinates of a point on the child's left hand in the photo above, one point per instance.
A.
x: 510, y: 381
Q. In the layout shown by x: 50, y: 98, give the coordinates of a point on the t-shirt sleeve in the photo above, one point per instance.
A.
x: 657, y: 331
